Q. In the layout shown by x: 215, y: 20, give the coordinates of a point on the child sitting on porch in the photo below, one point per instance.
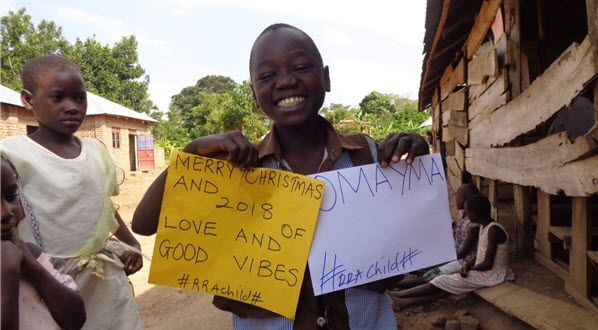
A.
x: 466, y: 242
x: 490, y: 267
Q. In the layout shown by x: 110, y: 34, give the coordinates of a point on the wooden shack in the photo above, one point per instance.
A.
x: 513, y: 87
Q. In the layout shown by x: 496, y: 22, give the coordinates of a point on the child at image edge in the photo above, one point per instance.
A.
x: 34, y: 294
x: 69, y: 182
x: 289, y: 82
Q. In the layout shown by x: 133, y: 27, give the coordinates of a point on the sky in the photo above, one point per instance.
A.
x: 368, y: 45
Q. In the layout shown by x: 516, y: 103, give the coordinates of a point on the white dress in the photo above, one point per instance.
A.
x: 75, y: 217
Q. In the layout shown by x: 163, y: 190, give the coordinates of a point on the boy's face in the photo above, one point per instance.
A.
x: 60, y: 100
x: 288, y: 80
x: 12, y: 211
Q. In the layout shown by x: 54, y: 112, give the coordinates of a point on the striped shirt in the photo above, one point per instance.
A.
x: 367, y: 309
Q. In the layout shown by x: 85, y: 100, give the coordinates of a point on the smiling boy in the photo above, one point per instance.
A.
x: 289, y: 83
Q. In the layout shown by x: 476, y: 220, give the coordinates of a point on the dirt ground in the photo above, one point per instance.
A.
x: 169, y: 308
x: 162, y: 307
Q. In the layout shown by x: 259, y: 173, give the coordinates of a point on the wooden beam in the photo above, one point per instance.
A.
x: 580, y: 244
x: 592, y: 10
x: 446, y: 135
x: 513, y: 58
x: 448, y: 47
x: 582, y: 300
x: 596, y: 101
x: 543, y: 224
x: 460, y: 133
x: 449, y: 148
x: 456, y: 101
x: 493, y: 198
x: 548, y: 164
x: 460, y: 155
x: 457, y: 77
x: 436, y: 97
x: 536, y: 309
x: 480, y: 68
x: 478, y: 182
x: 455, y: 175
x: 523, y: 212
x: 565, y: 79
x: 443, y: 16
x: 552, y: 266
x: 480, y: 27
x: 458, y: 118
x: 477, y: 89
x: 493, y: 98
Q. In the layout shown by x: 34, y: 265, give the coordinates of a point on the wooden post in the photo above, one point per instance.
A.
x: 592, y: 10
x: 542, y: 229
x: 493, y: 197
x: 478, y: 182
x: 523, y: 211
x: 513, y: 58
x: 596, y: 102
x: 578, y: 283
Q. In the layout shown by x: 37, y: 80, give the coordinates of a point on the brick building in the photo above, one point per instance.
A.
x: 125, y: 133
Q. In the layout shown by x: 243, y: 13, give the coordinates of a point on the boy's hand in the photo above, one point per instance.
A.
x: 397, y: 144
x: 231, y: 146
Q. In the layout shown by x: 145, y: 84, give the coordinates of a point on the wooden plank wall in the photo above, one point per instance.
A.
x: 486, y: 104
x: 565, y: 79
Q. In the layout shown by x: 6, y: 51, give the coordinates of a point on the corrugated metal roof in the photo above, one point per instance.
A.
x: 9, y: 96
x: 96, y: 105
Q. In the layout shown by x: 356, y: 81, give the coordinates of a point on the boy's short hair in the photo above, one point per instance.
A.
x: 278, y: 26
x: 468, y: 189
x: 478, y: 205
x: 38, y: 65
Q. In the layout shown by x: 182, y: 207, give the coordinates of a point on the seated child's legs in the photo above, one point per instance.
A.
x: 451, y: 267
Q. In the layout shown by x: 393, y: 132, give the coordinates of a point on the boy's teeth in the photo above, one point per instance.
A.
x: 290, y: 101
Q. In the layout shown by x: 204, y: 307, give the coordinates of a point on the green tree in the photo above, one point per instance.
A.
x: 337, y: 112
x: 22, y: 41
x: 403, y: 102
x: 217, y: 104
x: 377, y: 103
x: 114, y: 72
x: 190, y: 97
x: 216, y: 84
x: 111, y: 72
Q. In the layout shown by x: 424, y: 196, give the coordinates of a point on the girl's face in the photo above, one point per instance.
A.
x: 12, y: 211
x: 470, y: 215
x: 60, y: 100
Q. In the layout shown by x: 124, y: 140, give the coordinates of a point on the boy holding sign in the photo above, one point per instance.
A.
x: 289, y: 83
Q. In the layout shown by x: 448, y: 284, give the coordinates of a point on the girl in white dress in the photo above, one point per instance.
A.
x: 68, y: 182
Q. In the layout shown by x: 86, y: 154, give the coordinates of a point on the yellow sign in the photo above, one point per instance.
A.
x: 243, y: 235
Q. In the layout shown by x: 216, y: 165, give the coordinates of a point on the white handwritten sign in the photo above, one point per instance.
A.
x: 376, y: 223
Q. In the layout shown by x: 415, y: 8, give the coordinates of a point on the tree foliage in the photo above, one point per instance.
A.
x: 111, y: 72
x: 214, y: 105
x: 378, y: 104
x: 22, y: 41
